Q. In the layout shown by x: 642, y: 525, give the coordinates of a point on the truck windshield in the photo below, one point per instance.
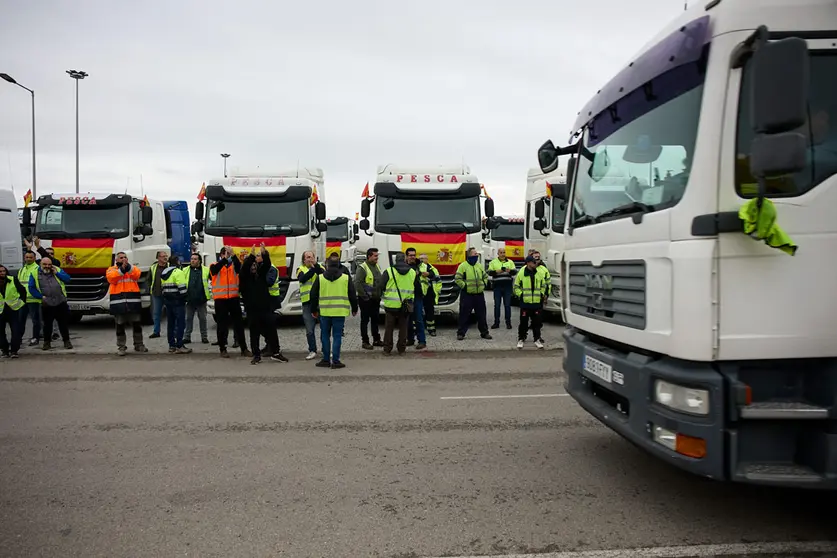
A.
x: 641, y: 158
x: 90, y: 221
x: 258, y: 218
x: 397, y: 215
x: 338, y: 233
x: 508, y: 231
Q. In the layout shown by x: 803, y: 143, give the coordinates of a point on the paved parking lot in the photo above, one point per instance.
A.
x: 95, y: 335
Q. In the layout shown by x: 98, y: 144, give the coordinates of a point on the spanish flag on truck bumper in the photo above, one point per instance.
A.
x: 275, y: 246
x: 444, y: 250
x: 83, y: 256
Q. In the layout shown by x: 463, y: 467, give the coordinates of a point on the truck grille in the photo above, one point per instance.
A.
x: 449, y: 292
x: 613, y: 292
x: 87, y: 288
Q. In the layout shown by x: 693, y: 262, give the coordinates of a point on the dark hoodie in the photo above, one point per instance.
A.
x: 332, y: 272
x: 400, y: 267
x: 254, y: 287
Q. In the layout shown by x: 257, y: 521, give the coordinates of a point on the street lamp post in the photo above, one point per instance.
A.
x: 10, y: 79
x: 77, y: 75
x: 225, y: 155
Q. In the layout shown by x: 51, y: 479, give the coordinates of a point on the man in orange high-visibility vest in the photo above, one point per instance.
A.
x: 126, y: 303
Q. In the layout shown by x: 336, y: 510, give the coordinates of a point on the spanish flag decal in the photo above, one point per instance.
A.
x: 275, y: 246
x: 444, y: 250
x: 514, y: 250
x: 84, y: 256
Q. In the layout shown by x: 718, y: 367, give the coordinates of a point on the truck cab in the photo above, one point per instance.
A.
x: 285, y: 210
x: 177, y: 229
x: 435, y: 210
x: 87, y: 231
x: 341, y: 237
x: 697, y: 327
x: 11, y: 249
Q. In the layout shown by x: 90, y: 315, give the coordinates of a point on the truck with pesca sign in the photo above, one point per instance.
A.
x: 86, y: 231
x: 435, y: 210
x: 284, y: 210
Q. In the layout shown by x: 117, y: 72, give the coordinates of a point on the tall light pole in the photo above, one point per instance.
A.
x: 225, y: 155
x: 77, y: 75
x: 10, y: 79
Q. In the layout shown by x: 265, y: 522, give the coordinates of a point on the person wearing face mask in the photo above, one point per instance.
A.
x: 471, y: 279
x: 256, y: 293
x: 12, y: 302
x: 306, y: 274
x: 333, y: 297
x: 48, y: 286
x: 530, y: 288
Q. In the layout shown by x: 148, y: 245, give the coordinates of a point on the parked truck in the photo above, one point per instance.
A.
x: 87, y: 231
x: 697, y: 329
x: 341, y: 237
x: 435, y: 210
x: 286, y: 210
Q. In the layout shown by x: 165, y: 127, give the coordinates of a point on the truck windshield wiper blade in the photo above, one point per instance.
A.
x: 464, y: 228
x: 584, y: 220
x: 627, y: 209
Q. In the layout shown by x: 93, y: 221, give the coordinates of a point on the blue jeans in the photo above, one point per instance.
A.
x: 502, y: 295
x: 175, y: 323
x: 331, y: 329
x: 32, y: 309
x: 157, y: 312
x: 310, y: 323
x: 415, y: 323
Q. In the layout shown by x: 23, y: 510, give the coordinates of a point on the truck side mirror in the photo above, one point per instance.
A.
x: 540, y: 210
x: 357, y: 237
x: 147, y: 230
x: 548, y: 157
x: 539, y: 225
x: 147, y: 215
x: 321, y: 227
x: 197, y: 227
x: 27, y: 216
x: 365, y: 208
x: 320, y: 213
x: 364, y: 225
x: 489, y: 207
x: 354, y: 228
x: 199, y: 211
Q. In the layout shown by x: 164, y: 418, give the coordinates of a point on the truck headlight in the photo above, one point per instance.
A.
x: 556, y: 291
x: 295, y: 296
x: 680, y: 398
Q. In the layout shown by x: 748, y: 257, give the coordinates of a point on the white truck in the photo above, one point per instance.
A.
x: 341, y: 237
x: 435, y: 210
x: 696, y: 334
x: 86, y: 231
x: 544, y: 228
x: 11, y: 249
x: 285, y: 210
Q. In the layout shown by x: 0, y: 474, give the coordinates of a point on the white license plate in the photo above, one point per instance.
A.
x: 80, y: 307
x: 598, y: 368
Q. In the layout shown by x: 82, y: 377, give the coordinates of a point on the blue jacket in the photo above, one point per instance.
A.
x: 33, y: 290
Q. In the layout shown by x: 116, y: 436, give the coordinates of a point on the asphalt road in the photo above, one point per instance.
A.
x: 389, y: 457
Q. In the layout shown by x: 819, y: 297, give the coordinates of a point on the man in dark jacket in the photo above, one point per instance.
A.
x: 13, y: 297
x: 530, y: 286
x: 228, y: 308
x: 197, y: 295
x: 256, y: 293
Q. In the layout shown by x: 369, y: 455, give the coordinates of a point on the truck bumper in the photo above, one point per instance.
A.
x: 98, y: 307
x: 620, y: 390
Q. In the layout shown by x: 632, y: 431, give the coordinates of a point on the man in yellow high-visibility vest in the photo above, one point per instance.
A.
x: 333, y: 297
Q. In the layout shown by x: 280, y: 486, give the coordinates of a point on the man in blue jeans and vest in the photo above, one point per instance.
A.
x: 415, y: 322
x: 333, y: 297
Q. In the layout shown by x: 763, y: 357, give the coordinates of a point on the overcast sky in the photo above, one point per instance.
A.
x: 343, y: 85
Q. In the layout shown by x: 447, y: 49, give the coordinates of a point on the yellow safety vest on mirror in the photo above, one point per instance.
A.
x: 334, y: 297
x: 395, y: 283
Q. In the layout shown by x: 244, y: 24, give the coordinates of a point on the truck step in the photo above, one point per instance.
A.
x: 780, y: 473
x: 794, y: 410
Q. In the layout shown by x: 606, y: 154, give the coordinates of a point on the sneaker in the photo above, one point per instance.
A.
x: 256, y: 360
x: 14, y: 355
x: 172, y: 349
x: 520, y: 344
x: 495, y: 326
x: 184, y: 350
x: 311, y: 356
x: 486, y: 336
x: 279, y: 357
x: 323, y: 364
x: 541, y: 340
x: 225, y: 354
x: 368, y: 346
x: 539, y: 344
x: 122, y: 351
x: 47, y: 346
x: 421, y: 346
x: 205, y: 341
x: 154, y: 336
x: 140, y: 349
x: 34, y: 342
x: 377, y: 343
x: 460, y: 337
x: 245, y: 353
x: 337, y: 364
x: 508, y: 325
x: 5, y: 355
x: 68, y: 345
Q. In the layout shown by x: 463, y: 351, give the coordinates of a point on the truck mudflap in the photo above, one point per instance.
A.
x: 702, y: 419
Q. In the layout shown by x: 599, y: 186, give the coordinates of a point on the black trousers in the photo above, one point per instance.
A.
x: 56, y: 314
x: 228, y: 312
x: 369, y: 311
x: 467, y: 304
x: 261, y: 322
x: 15, y: 323
x: 536, y: 316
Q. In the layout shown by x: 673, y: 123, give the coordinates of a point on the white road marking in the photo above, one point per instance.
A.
x: 790, y: 549
x: 506, y: 396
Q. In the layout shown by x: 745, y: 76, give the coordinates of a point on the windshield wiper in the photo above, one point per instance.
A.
x: 584, y: 220
x: 627, y: 209
x: 464, y: 228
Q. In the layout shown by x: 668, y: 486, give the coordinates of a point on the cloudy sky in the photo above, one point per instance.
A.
x: 342, y: 85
